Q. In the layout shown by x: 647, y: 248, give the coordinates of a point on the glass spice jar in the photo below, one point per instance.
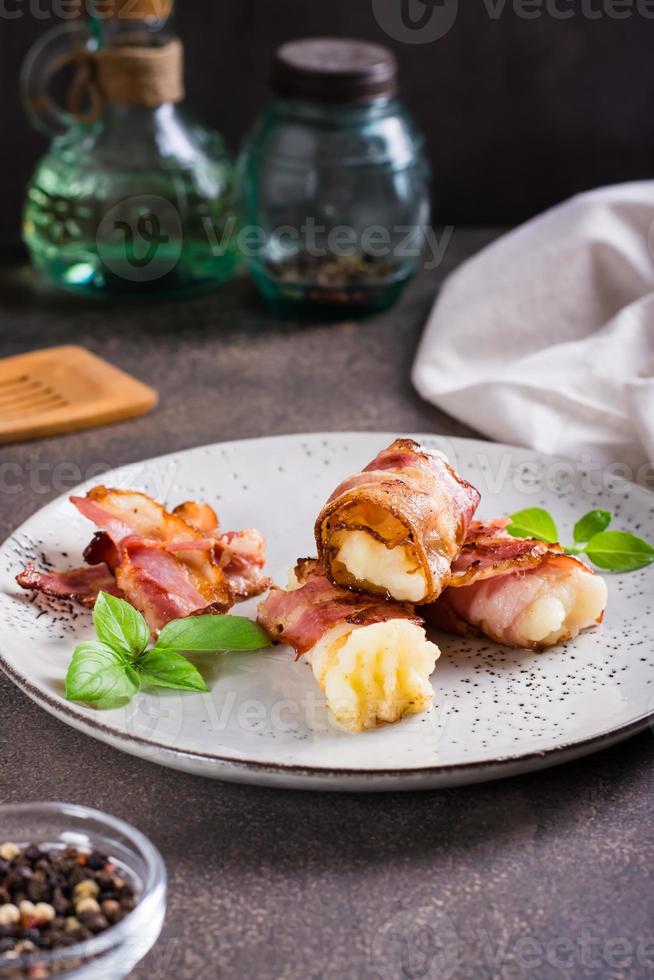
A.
x: 333, y: 182
x: 113, y: 953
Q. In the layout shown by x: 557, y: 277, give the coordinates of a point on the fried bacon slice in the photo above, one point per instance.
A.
x: 158, y: 584
x: 369, y: 656
x: 242, y: 556
x: 168, y: 564
x: 200, y: 516
x: 395, y: 528
x: 520, y: 592
x: 145, y: 519
x: 102, y: 550
x: 192, y: 533
x: 490, y: 551
x: 122, y: 513
x: 79, y: 584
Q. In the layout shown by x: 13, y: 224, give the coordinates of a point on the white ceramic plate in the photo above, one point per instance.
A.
x: 497, y: 712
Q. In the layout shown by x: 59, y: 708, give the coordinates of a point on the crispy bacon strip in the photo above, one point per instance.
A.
x: 408, y: 499
x: 112, y: 525
x: 167, y: 564
x: 242, y: 556
x: 102, y: 550
x: 490, y: 551
x: 216, y: 562
x: 114, y: 510
x: 122, y: 513
x: 519, y: 592
x: 302, y: 616
x: 158, y: 584
x: 200, y: 516
x: 80, y: 584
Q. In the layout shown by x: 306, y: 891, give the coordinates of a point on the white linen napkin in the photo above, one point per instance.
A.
x: 546, y: 337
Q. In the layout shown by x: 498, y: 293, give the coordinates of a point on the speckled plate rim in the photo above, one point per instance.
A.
x: 227, y: 769
x: 230, y: 769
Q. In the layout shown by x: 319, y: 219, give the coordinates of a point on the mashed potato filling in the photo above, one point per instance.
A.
x: 371, y: 563
x: 375, y: 674
x: 569, y: 605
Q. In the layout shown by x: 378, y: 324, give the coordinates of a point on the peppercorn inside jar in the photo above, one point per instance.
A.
x: 334, y: 182
x: 51, y: 899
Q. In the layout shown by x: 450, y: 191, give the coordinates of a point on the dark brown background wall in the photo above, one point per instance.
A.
x: 519, y: 112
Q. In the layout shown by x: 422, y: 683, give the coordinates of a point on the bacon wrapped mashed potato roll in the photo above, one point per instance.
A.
x: 395, y: 528
x: 370, y: 657
x: 519, y: 592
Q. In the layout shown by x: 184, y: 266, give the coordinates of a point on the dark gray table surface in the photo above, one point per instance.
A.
x: 548, y: 875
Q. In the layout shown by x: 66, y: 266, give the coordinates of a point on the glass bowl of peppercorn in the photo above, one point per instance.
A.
x: 82, y: 894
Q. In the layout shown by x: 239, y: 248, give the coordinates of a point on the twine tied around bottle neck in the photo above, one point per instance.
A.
x: 126, y: 75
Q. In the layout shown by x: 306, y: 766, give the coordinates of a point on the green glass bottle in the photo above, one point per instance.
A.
x: 133, y: 196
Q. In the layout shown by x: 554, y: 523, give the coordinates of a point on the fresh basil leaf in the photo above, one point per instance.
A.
x: 163, y: 668
x: 98, y: 673
x: 592, y: 523
x: 209, y: 634
x: 120, y: 625
x: 533, y: 523
x: 619, y: 551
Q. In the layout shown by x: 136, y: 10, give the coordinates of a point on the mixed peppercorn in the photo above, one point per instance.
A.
x: 51, y: 899
x: 342, y: 280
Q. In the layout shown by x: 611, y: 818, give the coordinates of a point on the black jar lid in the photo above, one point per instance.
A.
x: 334, y: 69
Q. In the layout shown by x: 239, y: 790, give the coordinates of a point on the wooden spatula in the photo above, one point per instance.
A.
x: 62, y: 389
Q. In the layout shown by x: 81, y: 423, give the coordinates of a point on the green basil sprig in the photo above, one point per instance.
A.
x: 533, y: 523
x: 615, y: 551
x: 113, y: 668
